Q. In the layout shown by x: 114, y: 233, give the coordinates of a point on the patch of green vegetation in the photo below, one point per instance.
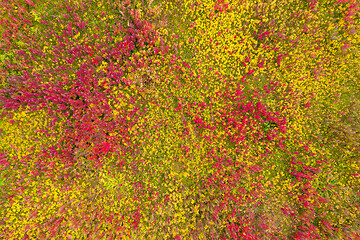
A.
x: 267, y: 126
x: 3, y: 175
x: 2, y: 123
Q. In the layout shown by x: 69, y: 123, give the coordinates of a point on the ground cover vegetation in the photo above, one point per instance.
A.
x: 179, y: 119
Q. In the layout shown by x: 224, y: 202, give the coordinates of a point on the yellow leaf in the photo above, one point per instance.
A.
x: 77, y: 35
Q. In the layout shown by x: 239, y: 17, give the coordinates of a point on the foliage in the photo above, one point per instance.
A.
x: 205, y: 120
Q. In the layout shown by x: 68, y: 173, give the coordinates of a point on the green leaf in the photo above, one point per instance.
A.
x: 36, y: 16
x: 2, y: 181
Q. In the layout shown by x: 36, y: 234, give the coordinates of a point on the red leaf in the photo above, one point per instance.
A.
x: 30, y: 3
x: 106, y: 148
x: 14, y: 19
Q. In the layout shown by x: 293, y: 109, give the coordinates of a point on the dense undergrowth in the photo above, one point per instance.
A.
x: 179, y: 120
